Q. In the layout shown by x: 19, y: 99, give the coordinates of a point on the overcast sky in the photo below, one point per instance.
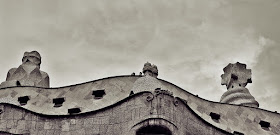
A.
x: 190, y: 41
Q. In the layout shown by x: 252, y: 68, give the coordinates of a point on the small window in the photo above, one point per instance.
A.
x: 215, y: 116
x: 98, y: 94
x: 237, y: 133
x: 58, y: 102
x: 74, y: 110
x: 23, y: 100
x: 265, y: 125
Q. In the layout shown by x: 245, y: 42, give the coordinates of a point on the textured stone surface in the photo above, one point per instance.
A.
x: 119, y: 112
x: 28, y: 73
x: 146, y: 83
x: 150, y: 70
x: 125, y: 118
x: 235, y: 78
x: 149, y: 81
x: 233, y: 117
x: 76, y: 96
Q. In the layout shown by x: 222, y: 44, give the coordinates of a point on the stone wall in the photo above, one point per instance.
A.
x: 122, y: 118
x: 233, y: 118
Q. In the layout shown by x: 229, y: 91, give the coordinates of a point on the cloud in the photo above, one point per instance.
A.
x: 190, y: 41
x: 266, y: 75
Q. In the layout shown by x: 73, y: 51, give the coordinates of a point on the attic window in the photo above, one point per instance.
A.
x: 23, y: 100
x: 98, y: 94
x: 237, y: 133
x: 58, y: 102
x: 265, y: 125
x: 215, y: 116
x: 74, y: 110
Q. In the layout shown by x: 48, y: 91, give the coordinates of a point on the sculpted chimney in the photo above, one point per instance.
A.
x: 150, y: 70
x: 236, y: 77
x: 28, y: 73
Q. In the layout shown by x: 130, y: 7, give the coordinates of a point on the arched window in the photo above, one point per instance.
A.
x: 153, y: 130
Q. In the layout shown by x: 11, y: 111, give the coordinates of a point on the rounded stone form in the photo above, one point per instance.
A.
x: 147, y: 67
x: 239, y: 96
x: 28, y: 73
x: 146, y: 83
x: 155, y: 70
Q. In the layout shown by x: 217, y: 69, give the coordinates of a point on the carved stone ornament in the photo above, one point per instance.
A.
x: 28, y: 73
x: 236, y: 77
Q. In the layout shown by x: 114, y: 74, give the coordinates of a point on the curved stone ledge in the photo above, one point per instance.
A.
x: 117, y: 119
x: 76, y: 96
x: 118, y: 89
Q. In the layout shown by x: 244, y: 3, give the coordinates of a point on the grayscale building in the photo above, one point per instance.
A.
x: 128, y: 105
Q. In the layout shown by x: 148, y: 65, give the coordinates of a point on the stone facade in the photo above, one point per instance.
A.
x: 123, y: 118
x: 130, y: 105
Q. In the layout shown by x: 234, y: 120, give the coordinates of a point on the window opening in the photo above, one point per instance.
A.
x: 98, y: 94
x: 265, y: 125
x: 74, y: 110
x: 58, y: 102
x: 23, y: 100
x: 215, y: 116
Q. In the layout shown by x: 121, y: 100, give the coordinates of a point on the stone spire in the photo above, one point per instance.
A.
x: 236, y: 77
x: 28, y: 73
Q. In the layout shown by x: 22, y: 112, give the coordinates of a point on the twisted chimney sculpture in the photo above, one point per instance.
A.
x: 236, y: 77
x: 28, y: 73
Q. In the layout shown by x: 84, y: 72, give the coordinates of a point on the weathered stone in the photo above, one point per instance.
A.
x: 65, y: 126
x: 28, y: 73
x: 119, y: 113
x: 48, y: 125
x: 21, y: 124
x: 50, y: 132
x: 150, y: 69
x: 236, y: 77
